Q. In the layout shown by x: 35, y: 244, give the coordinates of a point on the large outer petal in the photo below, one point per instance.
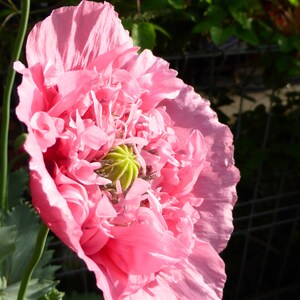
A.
x: 201, y: 277
x: 71, y: 37
x: 218, y: 178
x: 46, y: 198
x: 55, y: 212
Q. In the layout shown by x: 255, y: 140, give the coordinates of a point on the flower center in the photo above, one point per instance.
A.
x: 120, y: 163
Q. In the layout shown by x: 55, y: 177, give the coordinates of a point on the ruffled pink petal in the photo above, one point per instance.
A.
x: 155, y: 77
x: 48, y: 201
x: 218, y: 178
x: 93, y: 137
x: 74, y: 36
x: 46, y: 129
x: 55, y: 212
x: 94, y: 239
x: 201, y: 279
x: 132, y: 200
x: 32, y: 89
x: 115, y: 58
x: 82, y: 82
x: 202, y: 276
x: 180, y: 181
x: 137, y: 252
x: 75, y: 196
x: 83, y: 171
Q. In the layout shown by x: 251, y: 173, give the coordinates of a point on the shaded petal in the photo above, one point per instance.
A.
x: 74, y: 194
x: 48, y: 201
x: 218, y: 178
x: 55, y: 212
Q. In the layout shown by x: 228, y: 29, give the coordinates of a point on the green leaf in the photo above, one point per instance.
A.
x: 247, y: 35
x: 21, y: 225
x: 265, y: 32
x: 143, y: 35
x: 44, y: 269
x: 127, y: 23
x: 18, y: 184
x: 241, y: 17
x: 53, y: 295
x: 214, y: 16
x: 161, y: 30
x: 205, y: 26
x: 284, y: 43
x: 8, y: 236
x: 36, y: 289
x: 26, y: 224
x: 294, y: 2
x: 19, y: 142
x: 242, y: 9
x: 178, y: 4
x: 220, y: 35
x: 216, y: 12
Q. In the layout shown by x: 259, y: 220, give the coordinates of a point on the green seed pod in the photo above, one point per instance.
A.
x: 120, y: 163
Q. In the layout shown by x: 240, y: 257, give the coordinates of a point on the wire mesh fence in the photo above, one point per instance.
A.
x: 262, y: 257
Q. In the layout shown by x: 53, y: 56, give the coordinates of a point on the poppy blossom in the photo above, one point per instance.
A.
x: 129, y: 166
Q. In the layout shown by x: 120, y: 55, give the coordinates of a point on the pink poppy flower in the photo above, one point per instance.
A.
x: 129, y: 167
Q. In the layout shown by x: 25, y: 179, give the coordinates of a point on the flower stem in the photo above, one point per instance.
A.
x: 25, y: 7
x: 36, y: 256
